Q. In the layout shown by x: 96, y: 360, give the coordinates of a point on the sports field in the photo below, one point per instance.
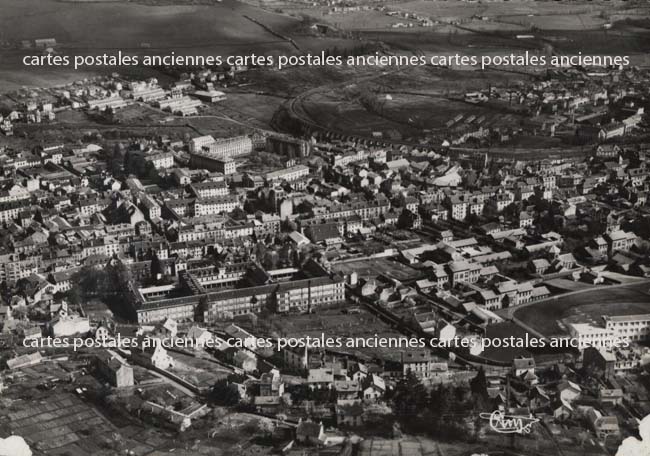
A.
x: 551, y: 317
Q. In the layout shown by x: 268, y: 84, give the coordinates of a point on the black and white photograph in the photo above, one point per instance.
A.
x: 324, y: 228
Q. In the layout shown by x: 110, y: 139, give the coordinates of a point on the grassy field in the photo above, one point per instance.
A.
x: 370, y: 269
x: 504, y: 330
x: 199, y: 372
x: 550, y: 317
x: 402, y: 104
x: 223, y: 28
x: 83, y: 28
x: 248, y: 108
x: 333, y: 323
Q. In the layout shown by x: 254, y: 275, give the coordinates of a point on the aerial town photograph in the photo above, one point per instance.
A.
x: 324, y: 227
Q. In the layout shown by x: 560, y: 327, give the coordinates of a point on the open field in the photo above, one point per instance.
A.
x: 60, y: 420
x: 504, y: 330
x: 547, y: 317
x: 402, y: 103
x: 477, y: 15
x: 199, y: 372
x: 333, y: 323
x: 82, y: 26
x: 83, y: 29
x: 403, y: 112
x: 53, y: 419
x: 370, y: 269
x: 252, y: 109
x: 293, y: 81
x: 72, y: 132
x: 223, y: 28
x: 457, y: 9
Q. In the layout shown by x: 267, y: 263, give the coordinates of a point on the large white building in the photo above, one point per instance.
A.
x: 588, y: 335
x: 147, y: 92
x: 216, y: 205
x: 230, y: 147
x: 205, y: 160
x: 630, y: 328
x: 161, y: 160
x: 209, y: 189
x: 151, y: 207
x: 288, y: 174
x: 114, y: 102
x: 197, y: 144
x: 69, y: 325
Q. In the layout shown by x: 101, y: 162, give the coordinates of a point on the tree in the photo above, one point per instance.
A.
x: 478, y: 384
x: 150, y: 172
x: 300, y: 393
x: 155, y: 268
x: 201, y: 308
x: 238, y: 214
x: 440, y: 401
x: 267, y: 427
x: 260, y: 250
x: 406, y: 220
x: 91, y: 281
x: 409, y: 397
x: 19, y: 313
x: 224, y: 393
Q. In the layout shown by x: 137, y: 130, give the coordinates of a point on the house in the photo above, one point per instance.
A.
x: 611, y: 131
x: 539, y: 266
x: 358, y: 372
x: 5, y: 313
x: 24, y: 360
x: 375, y: 388
x: 599, y: 362
x: 602, y: 425
x: 539, y: 398
x: 349, y: 415
x: 150, y: 352
x: 199, y: 336
x: 592, y: 277
x: 321, y: 377
x: 243, y: 359
x: 568, y: 391
x: 530, y: 378
x: 267, y: 404
x: 613, y: 396
x: 540, y: 293
x: 522, y: 366
x: 562, y: 410
x: 421, y: 363
x: 32, y: 333
x: 69, y: 325
x: 346, y: 390
x: 241, y: 336
x: 114, y: 369
x: 168, y: 327
x: 298, y: 239
x: 102, y: 333
x: 327, y: 233
x: 271, y: 384
x: 525, y: 219
x: 310, y: 433
x: 599, y: 244
x: 619, y: 240
x: 564, y: 261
